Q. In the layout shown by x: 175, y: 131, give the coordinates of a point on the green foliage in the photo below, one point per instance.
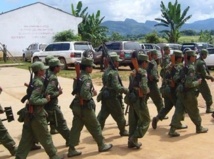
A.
x: 189, y: 32
x: 172, y: 18
x: 205, y: 36
x: 152, y: 38
x: 66, y: 35
x: 90, y: 28
x: 116, y: 36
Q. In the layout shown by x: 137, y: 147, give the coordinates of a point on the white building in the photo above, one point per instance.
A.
x: 33, y: 23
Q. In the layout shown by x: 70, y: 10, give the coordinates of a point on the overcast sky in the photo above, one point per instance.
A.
x: 140, y: 10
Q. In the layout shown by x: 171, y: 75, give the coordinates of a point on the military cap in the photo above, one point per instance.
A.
x: 48, y: 58
x: 204, y: 52
x: 153, y: 52
x: 143, y: 57
x: 114, y: 56
x: 178, y: 53
x: 191, y: 53
x: 38, y: 65
x: 166, y: 47
x: 87, y: 61
x: 54, y: 62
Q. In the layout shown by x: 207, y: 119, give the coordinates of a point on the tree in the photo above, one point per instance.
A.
x: 90, y: 28
x: 116, y: 36
x: 67, y: 35
x: 152, y: 38
x: 172, y: 18
x: 205, y: 36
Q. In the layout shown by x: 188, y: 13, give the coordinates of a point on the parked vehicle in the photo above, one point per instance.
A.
x: 149, y: 46
x: 67, y: 52
x: 31, y: 49
x: 210, y: 58
x: 196, y: 46
x: 172, y: 46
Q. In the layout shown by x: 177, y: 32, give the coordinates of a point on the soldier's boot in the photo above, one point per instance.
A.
x: 173, y: 133
x: 209, y: 110
x: 133, y: 142
x: 104, y: 147
x: 73, y: 152
x: 12, y: 150
x: 35, y: 146
x: 182, y: 127
x: 213, y: 115
x: 165, y: 118
x: 201, y: 129
x: 53, y: 131
x: 124, y: 133
x: 155, y: 122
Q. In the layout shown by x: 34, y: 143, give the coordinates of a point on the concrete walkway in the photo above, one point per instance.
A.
x: 155, y: 145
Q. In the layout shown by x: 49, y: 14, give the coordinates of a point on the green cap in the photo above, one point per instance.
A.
x: 178, y: 53
x: 114, y: 56
x: 153, y: 52
x: 190, y: 53
x: 166, y: 48
x: 87, y: 61
x: 54, y: 62
x: 48, y: 58
x: 38, y: 65
x: 204, y: 52
x: 143, y: 57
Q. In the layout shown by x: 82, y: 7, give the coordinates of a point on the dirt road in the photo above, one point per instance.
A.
x: 155, y: 145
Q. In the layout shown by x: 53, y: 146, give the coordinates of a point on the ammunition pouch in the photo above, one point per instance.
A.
x: 22, y: 114
x: 105, y: 94
x: 90, y: 104
x: 180, y: 88
x: 165, y: 91
x: 131, y: 97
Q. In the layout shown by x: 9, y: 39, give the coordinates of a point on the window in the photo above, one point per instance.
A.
x: 81, y: 46
x: 113, y: 46
x: 132, y: 46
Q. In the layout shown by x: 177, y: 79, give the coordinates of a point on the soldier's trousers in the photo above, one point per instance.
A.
x: 112, y: 107
x: 155, y: 95
x: 37, y: 127
x: 186, y: 101
x: 5, y: 138
x: 139, y: 118
x: 84, y: 116
x: 56, y: 118
x: 205, y: 92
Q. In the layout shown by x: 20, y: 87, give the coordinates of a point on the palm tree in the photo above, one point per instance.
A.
x: 172, y: 18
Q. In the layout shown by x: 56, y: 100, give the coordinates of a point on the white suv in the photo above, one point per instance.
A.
x: 66, y: 52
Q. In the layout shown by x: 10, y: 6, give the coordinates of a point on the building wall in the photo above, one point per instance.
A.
x: 33, y: 23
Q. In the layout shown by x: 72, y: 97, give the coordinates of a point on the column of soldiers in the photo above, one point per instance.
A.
x: 181, y: 83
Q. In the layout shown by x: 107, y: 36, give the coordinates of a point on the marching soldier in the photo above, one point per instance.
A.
x: 187, y: 96
x: 139, y: 118
x: 203, y: 73
x: 111, y: 91
x: 35, y: 123
x: 55, y: 115
x: 83, y: 107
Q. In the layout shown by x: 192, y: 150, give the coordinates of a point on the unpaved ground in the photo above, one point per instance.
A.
x: 156, y: 143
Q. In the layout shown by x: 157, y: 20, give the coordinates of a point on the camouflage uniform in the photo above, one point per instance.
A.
x: 5, y: 138
x: 187, y: 96
x: 35, y: 125
x: 153, y: 78
x: 203, y: 73
x: 168, y: 89
x: 55, y: 115
x: 139, y: 118
x: 111, y: 91
x: 84, y: 115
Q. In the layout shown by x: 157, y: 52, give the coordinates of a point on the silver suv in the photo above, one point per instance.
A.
x: 31, y: 49
x: 67, y: 52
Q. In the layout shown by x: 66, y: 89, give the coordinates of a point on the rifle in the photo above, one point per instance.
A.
x: 172, y: 58
x: 9, y: 114
x: 29, y: 87
x: 77, y: 83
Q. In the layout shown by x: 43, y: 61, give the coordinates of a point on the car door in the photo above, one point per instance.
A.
x: 28, y: 52
x: 210, y: 58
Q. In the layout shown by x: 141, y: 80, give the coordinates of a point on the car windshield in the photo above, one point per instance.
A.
x: 132, y: 46
x: 81, y: 46
x: 42, y: 46
x: 113, y: 46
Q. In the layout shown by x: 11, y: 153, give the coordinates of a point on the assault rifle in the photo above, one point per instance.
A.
x: 77, y: 83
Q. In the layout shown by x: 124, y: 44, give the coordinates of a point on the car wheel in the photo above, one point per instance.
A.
x: 35, y: 59
x: 24, y: 58
x: 62, y: 61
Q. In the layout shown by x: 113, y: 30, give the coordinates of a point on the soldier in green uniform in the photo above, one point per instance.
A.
x: 112, y: 89
x: 165, y: 62
x: 47, y: 74
x: 153, y: 79
x: 203, y: 73
x: 83, y: 108
x: 187, y: 96
x: 35, y: 122
x: 139, y: 118
x: 169, y: 87
x: 55, y: 115
x: 4, y: 53
x: 5, y: 138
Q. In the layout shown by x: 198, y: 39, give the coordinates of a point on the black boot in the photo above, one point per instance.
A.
x: 105, y: 147
x: 133, y: 142
x: 73, y: 152
x: 155, y: 122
